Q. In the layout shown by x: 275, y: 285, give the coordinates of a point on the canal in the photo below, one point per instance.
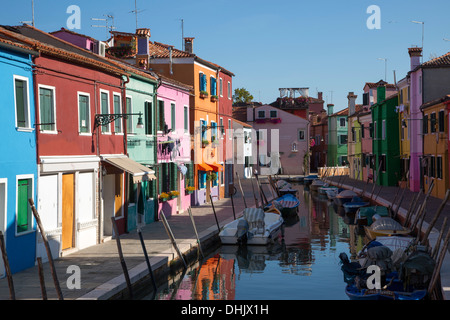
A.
x: 302, y: 265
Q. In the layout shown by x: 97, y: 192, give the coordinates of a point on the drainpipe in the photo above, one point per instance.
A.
x: 125, y: 145
x: 218, y: 120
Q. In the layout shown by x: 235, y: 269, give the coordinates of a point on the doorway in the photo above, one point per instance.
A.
x: 68, y: 201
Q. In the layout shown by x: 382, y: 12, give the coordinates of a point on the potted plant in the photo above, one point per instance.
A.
x: 174, y: 194
x: 214, y: 98
x: 211, y: 176
x: 163, y: 197
x: 203, y: 94
x: 190, y: 190
x: 205, y: 143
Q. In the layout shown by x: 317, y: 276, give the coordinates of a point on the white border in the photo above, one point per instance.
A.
x: 53, y: 89
x: 31, y: 228
x: 89, y: 133
x: 29, y: 126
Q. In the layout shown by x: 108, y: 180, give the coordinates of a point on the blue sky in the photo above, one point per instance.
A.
x: 323, y: 44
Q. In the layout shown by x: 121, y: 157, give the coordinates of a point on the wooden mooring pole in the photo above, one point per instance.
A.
x: 214, y: 211
x: 196, y: 233
x: 242, y: 191
x: 12, y: 293
x: 122, y: 260
x: 147, y: 260
x: 47, y: 248
x: 172, y: 238
x: 41, y: 278
x: 232, y: 191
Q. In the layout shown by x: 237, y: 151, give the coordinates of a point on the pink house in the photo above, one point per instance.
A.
x: 282, y: 140
x: 175, y: 167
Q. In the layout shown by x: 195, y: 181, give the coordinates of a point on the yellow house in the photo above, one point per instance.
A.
x: 404, y: 134
x: 435, y: 146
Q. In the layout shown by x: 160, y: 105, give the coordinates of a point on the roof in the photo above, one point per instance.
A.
x: 74, y: 33
x: 380, y: 83
x: 53, y: 46
x: 10, y: 42
x: 442, y: 61
x: 242, y: 123
x: 343, y: 112
x: 443, y: 99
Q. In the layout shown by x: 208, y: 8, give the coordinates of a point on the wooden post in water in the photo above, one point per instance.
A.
x: 12, y: 293
x: 195, y: 230
x: 232, y: 191
x: 411, y: 209
x: 214, y: 211
x: 47, y: 248
x: 438, y: 242
x: 436, y: 217
x: 172, y: 238
x: 422, y: 207
x: 41, y: 278
x: 437, y: 269
x: 122, y: 260
x: 242, y: 192
x: 147, y: 260
x: 254, y: 194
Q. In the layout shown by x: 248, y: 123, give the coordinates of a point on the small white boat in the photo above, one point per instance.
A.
x: 255, y: 227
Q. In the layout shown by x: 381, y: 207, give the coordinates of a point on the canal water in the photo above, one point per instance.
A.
x: 302, y: 265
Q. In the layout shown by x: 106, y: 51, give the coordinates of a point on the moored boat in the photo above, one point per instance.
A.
x: 255, y: 227
x: 287, y: 204
x: 345, y: 196
x: 385, y: 226
x: 364, y: 215
x: 316, y: 184
x: 354, y: 205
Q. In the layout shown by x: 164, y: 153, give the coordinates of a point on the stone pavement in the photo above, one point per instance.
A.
x: 386, y: 195
x: 100, y: 267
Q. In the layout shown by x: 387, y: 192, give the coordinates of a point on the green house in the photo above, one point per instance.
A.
x: 385, y: 143
x: 337, y: 137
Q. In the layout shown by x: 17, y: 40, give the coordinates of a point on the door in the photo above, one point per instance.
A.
x: 68, y: 200
x: 2, y: 219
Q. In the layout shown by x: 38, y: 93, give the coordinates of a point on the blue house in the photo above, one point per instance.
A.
x: 18, y: 167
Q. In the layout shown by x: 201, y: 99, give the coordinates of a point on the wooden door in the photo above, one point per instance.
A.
x: 68, y: 200
x: 118, y: 195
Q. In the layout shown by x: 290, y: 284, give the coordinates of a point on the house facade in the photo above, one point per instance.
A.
x: 354, y: 138
x: 243, y: 135
x: 18, y: 170
x: 337, y: 137
x: 319, y: 133
x: 403, y: 111
x: 435, y: 146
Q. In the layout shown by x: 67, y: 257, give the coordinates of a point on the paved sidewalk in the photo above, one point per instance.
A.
x: 101, y: 270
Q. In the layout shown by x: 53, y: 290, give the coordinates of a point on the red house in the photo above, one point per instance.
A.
x: 82, y: 165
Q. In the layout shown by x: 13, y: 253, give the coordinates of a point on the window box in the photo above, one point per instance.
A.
x: 204, y: 94
x: 189, y: 190
x: 214, y: 98
x: 260, y: 120
x: 205, y: 143
x: 174, y: 194
x: 163, y: 197
x: 275, y: 120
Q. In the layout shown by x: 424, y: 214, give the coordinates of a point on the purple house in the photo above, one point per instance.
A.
x: 82, y: 41
x: 176, y: 170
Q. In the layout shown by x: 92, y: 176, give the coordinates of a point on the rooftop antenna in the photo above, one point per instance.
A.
x: 32, y: 13
x: 182, y: 34
x: 108, y: 28
x: 136, y: 12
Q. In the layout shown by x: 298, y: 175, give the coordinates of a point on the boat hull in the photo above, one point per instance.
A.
x: 354, y: 294
x: 350, y: 207
x: 373, y: 234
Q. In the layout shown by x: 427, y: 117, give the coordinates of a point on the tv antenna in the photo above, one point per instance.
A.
x: 107, y: 26
x: 136, y: 12
x: 32, y: 14
x: 182, y: 34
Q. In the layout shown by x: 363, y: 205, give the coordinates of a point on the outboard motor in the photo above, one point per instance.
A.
x: 241, y: 232
x: 351, y: 270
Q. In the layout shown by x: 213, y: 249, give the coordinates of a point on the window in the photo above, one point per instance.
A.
x: 213, y: 131
x: 24, y: 192
x: 343, y: 139
x: 47, y: 108
x: 213, y: 84
x: 148, y: 118
x: 186, y: 119
x: 375, y: 130
x: 433, y: 122
x: 203, y: 82
x: 371, y: 130
x: 222, y: 129
x: 229, y: 90
x: 202, y: 179
x: 342, y: 122
x: 432, y: 170
x: 172, y: 117
x: 230, y: 136
x: 353, y: 135
x: 83, y: 113
x: 203, y: 129
x: 221, y: 87
x: 104, y: 104
x: 441, y: 121
x: 22, y: 102
x: 168, y: 177
x: 439, y: 167
x: 382, y: 160
x: 425, y: 124
x: 273, y: 113
x: 117, y: 110
x: 261, y: 114
x: 294, y: 146
x: 383, y: 129
x: 301, y: 135
x: 161, y: 120
x: 362, y: 131
x: 130, y: 118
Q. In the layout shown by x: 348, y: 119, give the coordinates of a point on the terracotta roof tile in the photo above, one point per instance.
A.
x: 443, y: 60
x: 379, y: 83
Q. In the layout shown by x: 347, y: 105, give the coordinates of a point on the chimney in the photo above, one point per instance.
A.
x: 330, y: 108
x: 351, y: 102
x: 415, y: 54
x: 320, y: 96
x: 189, y: 45
x: 143, y: 49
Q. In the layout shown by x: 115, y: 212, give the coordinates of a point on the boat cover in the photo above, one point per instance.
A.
x: 255, y: 218
x: 386, y: 223
x: 347, y: 194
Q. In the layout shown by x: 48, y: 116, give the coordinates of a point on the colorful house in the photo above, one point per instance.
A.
x: 282, y: 141
x: 319, y: 133
x: 428, y: 81
x: 354, y: 138
x: 435, y: 146
x: 386, y: 149
x: 337, y: 137
x: 405, y: 130
x: 18, y: 170
x: 243, y: 135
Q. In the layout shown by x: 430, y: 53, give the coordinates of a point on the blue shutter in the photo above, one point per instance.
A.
x: 204, y: 82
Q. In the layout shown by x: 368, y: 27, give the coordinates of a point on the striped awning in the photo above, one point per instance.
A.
x: 139, y: 171
x: 204, y: 167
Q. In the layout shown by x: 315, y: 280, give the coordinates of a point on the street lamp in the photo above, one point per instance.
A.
x: 423, y: 26
x: 385, y: 67
x: 104, y: 119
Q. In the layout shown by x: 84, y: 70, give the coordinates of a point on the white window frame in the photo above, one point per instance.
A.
x: 304, y: 134
x: 221, y: 87
x: 229, y: 90
x: 28, y: 126
x: 130, y: 118
x: 121, y: 111
x: 186, y: 120
x: 173, y: 115
x: 53, y: 89
x: 159, y: 116
x: 222, y: 128
x: 153, y: 110
x: 89, y: 133
x: 230, y: 127
x: 23, y: 177
x: 109, y: 110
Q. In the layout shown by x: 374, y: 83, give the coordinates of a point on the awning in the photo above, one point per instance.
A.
x: 204, y: 167
x: 139, y: 171
x: 217, y: 167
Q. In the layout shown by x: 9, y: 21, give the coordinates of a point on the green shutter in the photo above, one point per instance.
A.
x: 46, y: 109
x: 21, y: 103
x: 172, y: 111
x: 130, y: 118
x: 148, y: 118
x: 118, y: 122
x: 105, y: 109
x: 83, y: 105
x: 23, y: 211
x: 186, y: 117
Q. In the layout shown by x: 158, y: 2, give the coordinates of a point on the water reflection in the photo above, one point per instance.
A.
x: 302, y: 264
